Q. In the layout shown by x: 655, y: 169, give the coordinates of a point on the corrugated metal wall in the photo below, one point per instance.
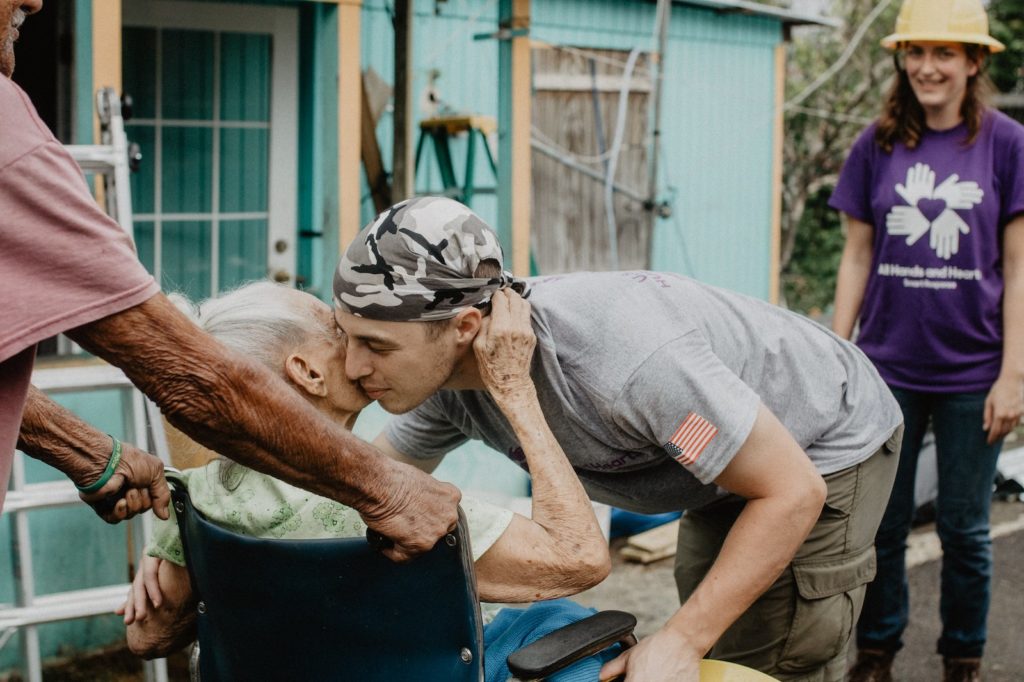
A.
x: 717, y: 120
x: 717, y: 157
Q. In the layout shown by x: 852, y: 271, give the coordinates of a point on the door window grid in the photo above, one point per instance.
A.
x: 158, y: 124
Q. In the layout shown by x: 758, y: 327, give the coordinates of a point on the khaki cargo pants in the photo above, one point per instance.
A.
x: 800, y: 628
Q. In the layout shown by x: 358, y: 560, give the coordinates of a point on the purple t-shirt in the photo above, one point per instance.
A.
x: 932, y: 313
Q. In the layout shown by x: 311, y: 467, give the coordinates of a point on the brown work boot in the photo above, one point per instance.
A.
x: 961, y: 670
x: 873, y: 665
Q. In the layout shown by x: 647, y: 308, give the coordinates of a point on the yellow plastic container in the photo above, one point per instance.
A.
x: 720, y: 671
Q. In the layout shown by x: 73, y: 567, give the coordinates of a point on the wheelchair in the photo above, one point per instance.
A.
x: 337, y: 609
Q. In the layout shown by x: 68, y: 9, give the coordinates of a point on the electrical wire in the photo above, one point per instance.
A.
x: 672, y: 191
x: 843, y: 58
x: 833, y: 115
x: 590, y: 54
x: 613, y: 161
x: 468, y: 24
x: 540, y: 136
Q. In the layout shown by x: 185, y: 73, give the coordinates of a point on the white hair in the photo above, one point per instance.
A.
x: 260, y: 320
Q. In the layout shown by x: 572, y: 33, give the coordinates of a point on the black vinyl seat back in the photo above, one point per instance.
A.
x: 329, y: 609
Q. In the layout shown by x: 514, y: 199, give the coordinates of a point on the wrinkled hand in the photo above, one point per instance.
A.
x: 665, y: 656
x: 946, y: 231
x: 906, y: 221
x: 504, y: 346
x: 920, y: 183
x: 143, y: 475
x: 143, y: 592
x: 1003, y: 408
x: 418, y: 511
x: 958, y: 194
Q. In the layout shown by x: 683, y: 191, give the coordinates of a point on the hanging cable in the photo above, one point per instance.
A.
x: 843, y: 58
x: 673, y: 190
x: 469, y: 23
x: 587, y: 54
x: 596, y: 102
x: 613, y: 161
x: 833, y: 115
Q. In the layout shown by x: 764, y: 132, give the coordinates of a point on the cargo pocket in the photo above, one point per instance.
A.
x: 829, y: 594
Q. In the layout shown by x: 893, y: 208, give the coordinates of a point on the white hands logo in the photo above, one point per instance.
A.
x: 931, y: 207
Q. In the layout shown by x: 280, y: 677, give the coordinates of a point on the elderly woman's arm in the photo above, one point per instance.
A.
x: 160, y: 621
x: 561, y: 550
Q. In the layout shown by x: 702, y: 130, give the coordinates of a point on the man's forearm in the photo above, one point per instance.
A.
x: 760, y: 545
x: 785, y: 495
x: 235, y: 406
x: 51, y: 433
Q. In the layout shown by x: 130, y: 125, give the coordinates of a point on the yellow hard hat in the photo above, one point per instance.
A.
x: 952, y: 21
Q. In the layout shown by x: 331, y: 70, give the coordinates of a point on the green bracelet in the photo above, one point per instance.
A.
x: 115, y: 457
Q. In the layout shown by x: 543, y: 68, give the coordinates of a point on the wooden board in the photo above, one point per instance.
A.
x: 652, y: 545
x: 570, y: 232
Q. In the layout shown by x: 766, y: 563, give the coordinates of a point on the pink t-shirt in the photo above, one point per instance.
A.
x: 63, y: 262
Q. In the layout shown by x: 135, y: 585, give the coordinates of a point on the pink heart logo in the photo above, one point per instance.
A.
x: 931, y: 208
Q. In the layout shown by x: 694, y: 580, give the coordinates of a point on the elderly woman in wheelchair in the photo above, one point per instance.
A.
x: 558, y: 552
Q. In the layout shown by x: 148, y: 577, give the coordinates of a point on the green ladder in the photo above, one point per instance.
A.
x: 440, y: 130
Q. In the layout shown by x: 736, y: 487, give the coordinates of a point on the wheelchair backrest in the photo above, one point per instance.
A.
x: 329, y: 609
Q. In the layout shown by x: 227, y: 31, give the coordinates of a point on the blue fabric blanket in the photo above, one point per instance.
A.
x: 513, y: 629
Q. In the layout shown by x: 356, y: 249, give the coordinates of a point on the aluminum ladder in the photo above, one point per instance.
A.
x: 144, y: 427
x: 114, y: 158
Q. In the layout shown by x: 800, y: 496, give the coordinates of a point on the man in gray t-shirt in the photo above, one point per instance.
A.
x: 665, y: 394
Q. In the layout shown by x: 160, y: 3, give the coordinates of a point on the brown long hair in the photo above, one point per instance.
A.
x: 902, y: 118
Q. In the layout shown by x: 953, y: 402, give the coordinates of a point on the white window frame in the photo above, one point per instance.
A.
x: 282, y: 23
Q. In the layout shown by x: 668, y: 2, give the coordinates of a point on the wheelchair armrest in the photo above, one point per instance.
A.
x: 565, y: 646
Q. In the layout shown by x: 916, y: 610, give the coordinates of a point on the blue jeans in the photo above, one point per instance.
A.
x: 966, y: 466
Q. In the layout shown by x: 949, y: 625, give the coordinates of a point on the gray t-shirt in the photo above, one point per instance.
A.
x: 651, y: 382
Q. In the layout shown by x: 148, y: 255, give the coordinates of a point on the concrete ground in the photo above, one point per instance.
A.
x: 649, y: 593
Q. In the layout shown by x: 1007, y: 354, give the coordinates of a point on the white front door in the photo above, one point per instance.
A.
x: 215, y: 91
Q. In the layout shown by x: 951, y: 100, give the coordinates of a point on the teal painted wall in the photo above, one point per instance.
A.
x: 83, y: 104
x: 717, y: 129
x: 318, y: 147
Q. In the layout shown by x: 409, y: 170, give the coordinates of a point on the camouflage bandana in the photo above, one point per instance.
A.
x: 415, y: 263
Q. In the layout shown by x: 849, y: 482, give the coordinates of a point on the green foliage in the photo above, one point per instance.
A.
x: 1006, y: 19
x: 809, y: 282
x: 819, y: 133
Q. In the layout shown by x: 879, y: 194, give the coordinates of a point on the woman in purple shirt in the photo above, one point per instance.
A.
x: 932, y: 195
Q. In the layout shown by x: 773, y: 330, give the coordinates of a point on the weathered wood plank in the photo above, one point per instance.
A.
x: 570, y: 231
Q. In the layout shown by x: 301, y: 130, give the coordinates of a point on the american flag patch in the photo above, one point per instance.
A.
x: 690, y: 439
